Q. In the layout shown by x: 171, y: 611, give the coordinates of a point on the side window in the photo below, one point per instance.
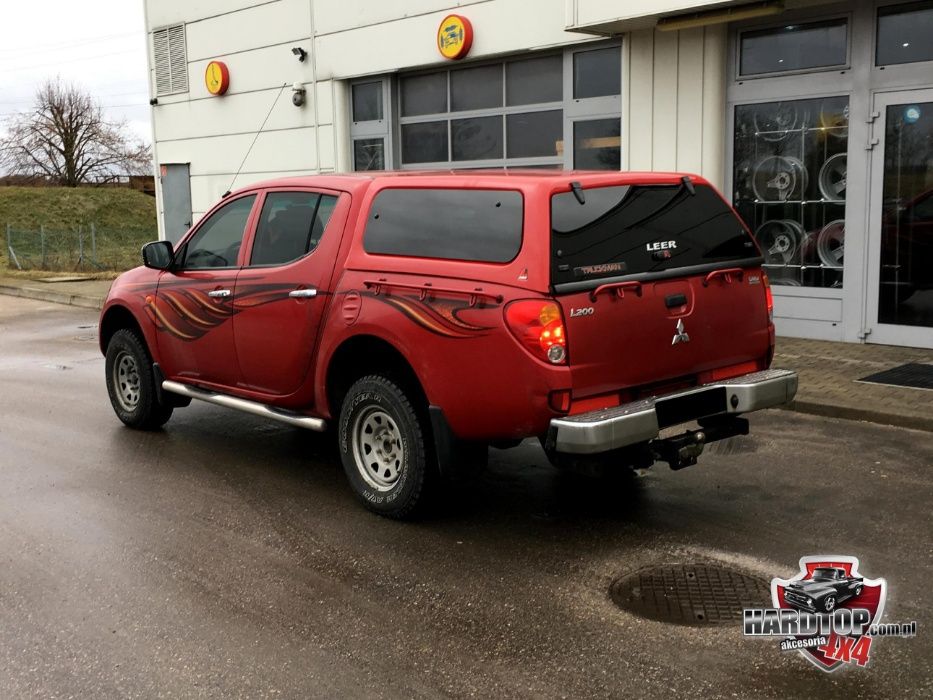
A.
x: 217, y: 241
x: 474, y: 225
x: 290, y: 226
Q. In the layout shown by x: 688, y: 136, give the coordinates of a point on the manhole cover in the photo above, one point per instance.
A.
x: 689, y: 594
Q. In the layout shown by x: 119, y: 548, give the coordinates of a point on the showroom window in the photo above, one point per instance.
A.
x: 903, y: 34
x: 794, y: 47
x: 548, y: 111
x: 789, y: 185
x: 369, y: 125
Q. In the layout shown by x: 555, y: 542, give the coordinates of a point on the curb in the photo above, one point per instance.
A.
x: 83, y: 300
x: 860, y: 414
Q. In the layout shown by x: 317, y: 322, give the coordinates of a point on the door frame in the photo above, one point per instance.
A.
x: 886, y: 333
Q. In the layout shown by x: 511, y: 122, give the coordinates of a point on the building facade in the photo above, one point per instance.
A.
x: 814, y: 118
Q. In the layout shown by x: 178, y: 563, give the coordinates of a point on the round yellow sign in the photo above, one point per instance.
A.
x: 217, y: 77
x: 454, y: 37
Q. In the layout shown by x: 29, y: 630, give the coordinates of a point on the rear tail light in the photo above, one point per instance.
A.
x: 539, y: 327
x: 769, y: 297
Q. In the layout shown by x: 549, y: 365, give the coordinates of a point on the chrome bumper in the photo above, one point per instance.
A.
x: 639, y: 421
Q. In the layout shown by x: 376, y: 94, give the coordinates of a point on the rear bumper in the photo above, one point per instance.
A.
x: 639, y: 421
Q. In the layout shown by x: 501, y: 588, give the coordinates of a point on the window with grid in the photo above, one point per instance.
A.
x: 516, y: 113
x: 170, y: 60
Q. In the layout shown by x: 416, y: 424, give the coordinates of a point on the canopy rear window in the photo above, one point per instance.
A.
x: 637, y: 229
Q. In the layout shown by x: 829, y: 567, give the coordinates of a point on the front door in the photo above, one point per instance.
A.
x: 283, y: 292
x: 900, y: 289
x: 194, y: 304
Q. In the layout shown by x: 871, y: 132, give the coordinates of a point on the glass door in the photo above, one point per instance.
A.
x: 900, y: 288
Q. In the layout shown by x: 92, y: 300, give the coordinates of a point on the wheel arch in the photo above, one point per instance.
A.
x: 364, y: 354
x: 118, y: 317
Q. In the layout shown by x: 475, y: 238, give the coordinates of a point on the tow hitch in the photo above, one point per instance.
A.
x: 682, y: 450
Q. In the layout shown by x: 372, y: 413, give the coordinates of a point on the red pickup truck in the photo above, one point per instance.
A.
x: 425, y: 316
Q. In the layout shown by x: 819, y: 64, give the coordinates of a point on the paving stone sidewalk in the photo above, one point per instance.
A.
x: 828, y: 371
x: 828, y: 381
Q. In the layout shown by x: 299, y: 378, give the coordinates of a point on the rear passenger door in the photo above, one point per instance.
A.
x: 284, y: 290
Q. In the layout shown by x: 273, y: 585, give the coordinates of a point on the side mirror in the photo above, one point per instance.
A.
x: 158, y: 255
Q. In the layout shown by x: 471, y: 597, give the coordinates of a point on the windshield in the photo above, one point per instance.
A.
x: 824, y: 574
x: 625, y: 230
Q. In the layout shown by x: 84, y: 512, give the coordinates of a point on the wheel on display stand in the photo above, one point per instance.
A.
x: 835, y: 121
x: 779, y: 178
x: 832, y: 180
x: 773, y: 122
x: 830, y: 244
x: 780, y: 241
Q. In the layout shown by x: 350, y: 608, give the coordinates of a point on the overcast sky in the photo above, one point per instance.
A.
x: 97, y: 44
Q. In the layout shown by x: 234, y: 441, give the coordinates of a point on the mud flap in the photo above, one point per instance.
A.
x: 456, y: 458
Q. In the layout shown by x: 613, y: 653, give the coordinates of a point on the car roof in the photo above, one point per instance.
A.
x: 497, y: 179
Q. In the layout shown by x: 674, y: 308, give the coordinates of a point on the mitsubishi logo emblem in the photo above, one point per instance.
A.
x: 680, y: 336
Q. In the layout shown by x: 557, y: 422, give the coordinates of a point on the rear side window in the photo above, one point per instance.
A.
x: 629, y: 230
x: 474, y: 225
x: 290, y: 226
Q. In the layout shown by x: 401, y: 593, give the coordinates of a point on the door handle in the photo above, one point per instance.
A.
x: 303, y: 293
x: 219, y: 293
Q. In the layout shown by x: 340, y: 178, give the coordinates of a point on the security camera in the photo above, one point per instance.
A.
x: 298, y: 94
x: 300, y: 53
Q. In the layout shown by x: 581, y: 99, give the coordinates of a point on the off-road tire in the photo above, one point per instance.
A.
x: 374, y: 401
x: 138, y: 407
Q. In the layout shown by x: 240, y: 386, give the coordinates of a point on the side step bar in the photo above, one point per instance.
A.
x: 257, y: 409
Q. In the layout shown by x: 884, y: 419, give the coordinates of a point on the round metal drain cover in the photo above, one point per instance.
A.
x: 689, y: 594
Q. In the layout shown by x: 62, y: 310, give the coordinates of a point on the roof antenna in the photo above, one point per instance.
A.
x: 243, y: 162
x: 688, y: 184
x: 577, y: 190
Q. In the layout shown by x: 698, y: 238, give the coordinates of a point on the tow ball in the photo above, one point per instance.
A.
x: 683, y: 450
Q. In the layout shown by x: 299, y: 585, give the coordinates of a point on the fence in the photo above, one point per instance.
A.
x: 86, y: 248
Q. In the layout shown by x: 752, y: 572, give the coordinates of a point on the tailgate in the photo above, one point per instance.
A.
x: 657, y: 284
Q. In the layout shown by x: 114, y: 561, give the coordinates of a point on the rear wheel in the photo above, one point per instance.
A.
x: 131, y: 383
x: 385, y: 447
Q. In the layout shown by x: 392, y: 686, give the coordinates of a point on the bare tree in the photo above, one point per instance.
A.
x: 66, y: 139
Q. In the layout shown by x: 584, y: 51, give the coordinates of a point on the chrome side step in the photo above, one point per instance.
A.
x: 257, y: 409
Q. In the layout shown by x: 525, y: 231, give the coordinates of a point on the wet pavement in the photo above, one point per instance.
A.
x: 226, y: 557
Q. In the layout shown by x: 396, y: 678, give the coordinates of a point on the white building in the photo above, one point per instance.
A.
x: 814, y: 118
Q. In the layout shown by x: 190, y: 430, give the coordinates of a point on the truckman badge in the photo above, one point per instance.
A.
x: 828, y: 612
x: 680, y: 336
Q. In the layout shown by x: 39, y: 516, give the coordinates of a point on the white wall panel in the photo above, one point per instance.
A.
x: 258, y: 69
x: 232, y: 114
x: 161, y: 12
x: 664, y: 133
x: 502, y: 26
x: 689, y: 100
x: 812, y: 308
x: 676, y: 87
x: 263, y: 25
x: 594, y: 11
x: 324, y: 94
x: 339, y: 16
x: 639, y: 113
x: 274, y: 151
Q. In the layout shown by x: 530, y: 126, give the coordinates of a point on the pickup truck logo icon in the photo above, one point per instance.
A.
x: 680, y: 335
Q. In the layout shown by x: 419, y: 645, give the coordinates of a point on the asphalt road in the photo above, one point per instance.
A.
x: 226, y: 557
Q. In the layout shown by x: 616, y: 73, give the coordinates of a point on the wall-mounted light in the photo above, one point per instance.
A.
x: 300, y: 53
x: 728, y: 14
x: 298, y: 94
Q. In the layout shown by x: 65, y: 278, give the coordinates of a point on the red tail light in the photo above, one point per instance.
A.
x: 769, y: 297
x: 539, y: 327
